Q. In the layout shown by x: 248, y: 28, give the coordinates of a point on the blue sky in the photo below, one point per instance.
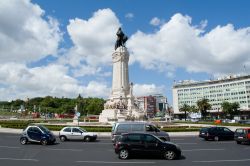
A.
x: 63, y: 48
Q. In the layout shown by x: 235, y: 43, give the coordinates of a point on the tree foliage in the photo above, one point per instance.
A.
x: 51, y: 104
x: 230, y: 109
x: 203, y: 106
x: 186, y: 109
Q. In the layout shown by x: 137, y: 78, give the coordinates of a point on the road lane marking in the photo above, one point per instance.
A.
x: 201, y: 150
x: 217, y: 161
x: 12, y: 147
x: 114, y: 162
x: 15, y: 159
x: 177, y: 139
x: 186, y: 143
x: 76, y: 150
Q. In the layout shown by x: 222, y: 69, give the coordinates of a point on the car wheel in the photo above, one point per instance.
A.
x: 23, y: 140
x: 216, y: 138
x: 44, y: 142
x: 238, y: 142
x: 170, y: 155
x: 87, y: 139
x: 63, y: 138
x: 123, y: 154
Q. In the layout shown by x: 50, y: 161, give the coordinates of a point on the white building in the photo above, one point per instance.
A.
x: 231, y: 89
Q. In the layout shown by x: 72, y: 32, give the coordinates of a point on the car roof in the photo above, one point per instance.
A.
x: 247, y: 128
x: 72, y: 127
x: 133, y: 122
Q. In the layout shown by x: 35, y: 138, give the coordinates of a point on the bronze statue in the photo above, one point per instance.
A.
x: 121, y: 38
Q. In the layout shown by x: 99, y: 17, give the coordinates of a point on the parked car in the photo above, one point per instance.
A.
x: 242, y: 135
x: 216, y: 133
x: 76, y: 133
x: 137, y: 127
x: 244, y: 121
x: 145, y: 144
x: 37, y: 133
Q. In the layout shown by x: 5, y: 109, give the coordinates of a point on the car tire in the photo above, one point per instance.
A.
x: 238, y: 142
x: 216, y: 138
x: 44, y: 142
x: 63, y: 138
x: 169, y: 155
x: 23, y: 140
x: 123, y: 154
x: 87, y: 139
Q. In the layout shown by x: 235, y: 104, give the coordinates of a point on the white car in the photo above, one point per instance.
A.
x: 76, y: 133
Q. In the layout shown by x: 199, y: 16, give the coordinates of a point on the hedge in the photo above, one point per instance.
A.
x: 17, y: 124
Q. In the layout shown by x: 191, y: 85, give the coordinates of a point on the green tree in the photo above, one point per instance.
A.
x: 194, y: 109
x: 203, y: 106
x: 230, y: 109
x: 186, y: 109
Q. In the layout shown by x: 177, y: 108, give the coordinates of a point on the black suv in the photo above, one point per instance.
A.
x: 140, y: 143
x: 216, y: 133
x: 37, y: 133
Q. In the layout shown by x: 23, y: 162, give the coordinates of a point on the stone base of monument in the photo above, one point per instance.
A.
x: 75, y: 120
x: 116, y: 115
x: 108, y: 115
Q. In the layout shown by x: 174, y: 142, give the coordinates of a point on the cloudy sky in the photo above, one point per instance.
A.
x: 64, y: 48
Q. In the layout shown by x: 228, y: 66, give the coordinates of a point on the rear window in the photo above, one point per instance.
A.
x: 204, y: 130
x: 241, y: 131
x: 124, y: 128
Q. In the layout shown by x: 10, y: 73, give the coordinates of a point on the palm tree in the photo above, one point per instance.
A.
x: 185, y: 108
x: 203, y: 106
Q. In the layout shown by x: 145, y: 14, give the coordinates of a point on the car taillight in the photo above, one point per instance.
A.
x: 116, y: 145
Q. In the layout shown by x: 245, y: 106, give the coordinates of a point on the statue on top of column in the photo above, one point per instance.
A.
x: 121, y: 38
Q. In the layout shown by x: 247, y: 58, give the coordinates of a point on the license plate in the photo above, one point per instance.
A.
x: 240, y: 137
x: 202, y: 133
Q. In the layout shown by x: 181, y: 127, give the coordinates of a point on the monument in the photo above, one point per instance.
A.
x: 121, y: 105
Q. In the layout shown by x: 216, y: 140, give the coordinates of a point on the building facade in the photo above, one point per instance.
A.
x: 230, y: 89
x: 153, y: 104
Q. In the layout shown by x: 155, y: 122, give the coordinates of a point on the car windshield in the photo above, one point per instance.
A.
x: 44, y: 129
x: 113, y: 127
x: 83, y: 130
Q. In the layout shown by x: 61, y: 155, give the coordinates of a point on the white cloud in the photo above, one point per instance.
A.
x: 129, y: 16
x: 94, y: 41
x: 18, y: 81
x: 179, y: 44
x: 148, y: 89
x: 156, y: 21
x: 25, y: 35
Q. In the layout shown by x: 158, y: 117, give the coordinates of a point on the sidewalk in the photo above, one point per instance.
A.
x: 100, y: 134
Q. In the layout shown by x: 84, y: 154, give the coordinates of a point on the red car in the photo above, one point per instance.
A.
x: 242, y: 135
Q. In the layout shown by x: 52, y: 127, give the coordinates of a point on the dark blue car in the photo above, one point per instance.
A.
x: 38, y: 134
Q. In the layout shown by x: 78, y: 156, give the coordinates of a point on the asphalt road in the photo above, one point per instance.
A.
x: 196, y: 152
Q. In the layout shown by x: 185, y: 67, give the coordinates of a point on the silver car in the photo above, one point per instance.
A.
x: 76, y: 133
